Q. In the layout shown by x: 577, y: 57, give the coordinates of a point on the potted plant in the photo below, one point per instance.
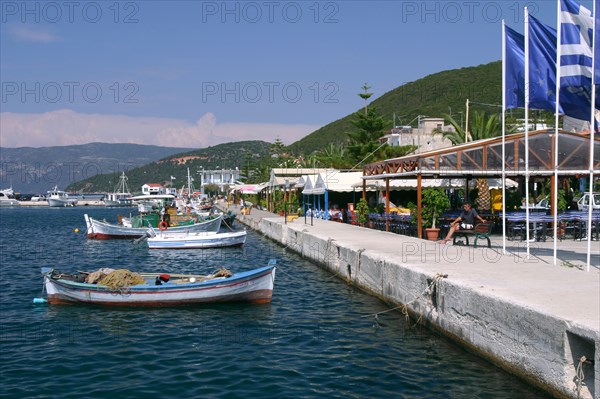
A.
x: 362, y: 210
x: 434, y: 202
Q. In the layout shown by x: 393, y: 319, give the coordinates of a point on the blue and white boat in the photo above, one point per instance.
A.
x: 160, y: 289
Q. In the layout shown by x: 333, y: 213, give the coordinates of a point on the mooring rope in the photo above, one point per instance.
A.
x: 579, y: 376
x: 436, y: 279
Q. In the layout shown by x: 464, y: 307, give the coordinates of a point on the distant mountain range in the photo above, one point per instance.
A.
x: 95, y: 167
x: 37, y: 170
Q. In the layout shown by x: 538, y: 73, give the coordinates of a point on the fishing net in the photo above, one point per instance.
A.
x: 121, y: 278
x: 222, y: 272
x: 96, y: 276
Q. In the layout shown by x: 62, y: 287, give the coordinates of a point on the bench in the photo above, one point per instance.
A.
x: 481, y: 230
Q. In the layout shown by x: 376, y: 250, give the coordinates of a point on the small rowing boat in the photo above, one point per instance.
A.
x: 159, y: 289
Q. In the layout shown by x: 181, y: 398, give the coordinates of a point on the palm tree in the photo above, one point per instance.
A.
x: 481, y: 128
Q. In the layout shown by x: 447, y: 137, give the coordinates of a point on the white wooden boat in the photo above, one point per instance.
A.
x: 121, y: 195
x: 170, y: 240
x: 103, y: 230
x: 57, y: 198
x: 255, y: 286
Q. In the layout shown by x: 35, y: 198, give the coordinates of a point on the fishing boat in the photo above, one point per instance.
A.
x: 169, y: 240
x: 57, y: 198
x: 160, y: 289
x: 97, y: 229
x: 121, y: 195
x: 5, y: 200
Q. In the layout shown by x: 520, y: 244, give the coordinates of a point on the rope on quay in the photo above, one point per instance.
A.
x: 436, y: 279
x: 579, y: 376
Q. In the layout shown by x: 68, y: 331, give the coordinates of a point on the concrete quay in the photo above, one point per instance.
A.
x: 527, y: 315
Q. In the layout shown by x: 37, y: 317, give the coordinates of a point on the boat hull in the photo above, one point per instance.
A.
x: 60, y: 203
x: 9, y: 202
x: 254, y: 286
x: 197, y: 240
x: 102, y: 230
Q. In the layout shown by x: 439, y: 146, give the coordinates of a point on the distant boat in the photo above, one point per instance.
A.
x: 169, y: 240
x: 57, y: 198
x: 121, y: 195
x: 103, y: 230
x: 5, y: 200
x: 8, y: 191
x: 254, y: 286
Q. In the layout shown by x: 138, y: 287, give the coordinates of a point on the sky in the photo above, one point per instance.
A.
x: 200, y: 73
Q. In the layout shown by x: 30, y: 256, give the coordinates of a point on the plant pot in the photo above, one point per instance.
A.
x: 432, y: 234
x: 281, y: 213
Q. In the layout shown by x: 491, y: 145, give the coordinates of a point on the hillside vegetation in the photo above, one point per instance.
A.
x: 443, y: 92
x: 243, y: 155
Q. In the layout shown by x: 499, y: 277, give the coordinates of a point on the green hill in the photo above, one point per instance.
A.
x: 243, y: 155
x: 433, y: 95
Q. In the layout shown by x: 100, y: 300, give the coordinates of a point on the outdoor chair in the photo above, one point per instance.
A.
x: 481, y: 230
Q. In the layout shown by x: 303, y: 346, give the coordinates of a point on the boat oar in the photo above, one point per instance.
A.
x: 226, y: 224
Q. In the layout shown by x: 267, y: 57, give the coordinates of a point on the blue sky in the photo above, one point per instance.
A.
x: 197, y: 73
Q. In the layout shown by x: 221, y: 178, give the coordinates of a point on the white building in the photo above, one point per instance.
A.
x: 221, y: 177
x: 422, y: 136
x: 153, y: 189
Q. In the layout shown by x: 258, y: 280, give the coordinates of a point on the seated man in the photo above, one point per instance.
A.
x: 465, y: 221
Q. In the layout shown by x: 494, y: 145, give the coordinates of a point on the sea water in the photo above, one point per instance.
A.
x: 317, y: 339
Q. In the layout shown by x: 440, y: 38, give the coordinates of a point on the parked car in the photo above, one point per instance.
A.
x: 584, y: 202
x: 542, y: 206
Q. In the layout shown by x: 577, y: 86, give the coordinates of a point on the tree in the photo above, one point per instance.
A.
x: 335, y: 156
x: 366, y: 95
x: 277, y: 148
x: 370, y: 127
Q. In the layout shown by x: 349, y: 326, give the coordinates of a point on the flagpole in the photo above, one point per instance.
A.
x: 527, y: 129
x: 556, y: 120
x: 592, y: 134
x: 503, y: 137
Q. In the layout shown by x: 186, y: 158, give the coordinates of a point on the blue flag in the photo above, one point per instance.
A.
x: 576, y: 59
x: 542, y: 66
x: 514, y: 59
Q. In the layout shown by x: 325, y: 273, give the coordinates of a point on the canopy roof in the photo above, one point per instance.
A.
x: 484, y: 158
x: 250, y: 188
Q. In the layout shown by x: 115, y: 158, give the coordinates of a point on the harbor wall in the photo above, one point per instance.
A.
x: 531, y: 343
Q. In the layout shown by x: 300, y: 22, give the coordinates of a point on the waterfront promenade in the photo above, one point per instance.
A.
x: 527, y: 315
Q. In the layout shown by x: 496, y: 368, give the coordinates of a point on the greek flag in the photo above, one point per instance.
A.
x: 577, y: 27
x: 514, y: 59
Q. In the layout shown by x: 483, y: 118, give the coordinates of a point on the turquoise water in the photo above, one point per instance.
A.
x: 315, y: 340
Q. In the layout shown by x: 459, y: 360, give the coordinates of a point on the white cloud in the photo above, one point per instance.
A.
x: 66, y: 127
x: 30, y: 34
